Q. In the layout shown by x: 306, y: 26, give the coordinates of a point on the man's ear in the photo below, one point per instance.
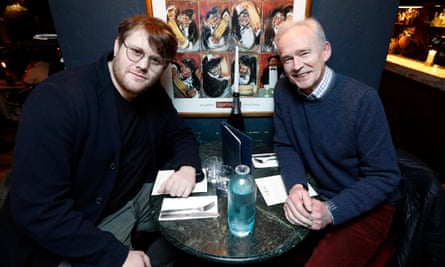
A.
x: 327, y: 51
x: 116, y: 46
x: 166, y: 66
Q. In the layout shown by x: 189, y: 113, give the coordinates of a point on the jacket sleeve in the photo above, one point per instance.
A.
x: 178, y: 136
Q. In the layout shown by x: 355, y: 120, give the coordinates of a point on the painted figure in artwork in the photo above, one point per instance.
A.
x: 215, y: 30
x: 246, y: 24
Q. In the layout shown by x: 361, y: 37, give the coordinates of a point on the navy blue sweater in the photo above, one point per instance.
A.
x: 342, y: 140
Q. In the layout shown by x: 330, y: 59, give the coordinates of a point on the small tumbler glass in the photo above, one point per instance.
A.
x: 212, y: 167
x: 222, y: 181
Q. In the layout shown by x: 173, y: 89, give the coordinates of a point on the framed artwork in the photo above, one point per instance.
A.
x: 200, y: 78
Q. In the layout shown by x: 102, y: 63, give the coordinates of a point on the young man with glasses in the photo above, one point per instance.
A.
x: 89, y: 145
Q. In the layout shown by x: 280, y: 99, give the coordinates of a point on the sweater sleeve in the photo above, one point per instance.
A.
x: 378, y: 170
x: 291, y: 166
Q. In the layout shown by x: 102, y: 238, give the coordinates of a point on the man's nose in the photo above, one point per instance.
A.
x: 144, y: 63
x: 298, y: 64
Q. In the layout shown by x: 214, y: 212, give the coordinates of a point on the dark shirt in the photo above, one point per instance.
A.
x: 135, y: 153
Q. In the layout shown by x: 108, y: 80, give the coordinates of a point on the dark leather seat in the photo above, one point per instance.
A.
x: 418, y: 234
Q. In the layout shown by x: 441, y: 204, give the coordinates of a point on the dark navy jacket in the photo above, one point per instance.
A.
x: 66, y: 164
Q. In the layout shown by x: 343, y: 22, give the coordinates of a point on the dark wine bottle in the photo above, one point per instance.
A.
x: 236, y: 117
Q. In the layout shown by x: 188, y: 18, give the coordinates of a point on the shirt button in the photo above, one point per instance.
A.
x: 98, y: 200
x: 112, y: 165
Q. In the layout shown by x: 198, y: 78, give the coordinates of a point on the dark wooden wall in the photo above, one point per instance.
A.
x: 416, y: 114
x: 87, y: 29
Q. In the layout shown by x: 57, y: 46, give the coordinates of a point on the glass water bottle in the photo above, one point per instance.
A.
x: 241, y: 202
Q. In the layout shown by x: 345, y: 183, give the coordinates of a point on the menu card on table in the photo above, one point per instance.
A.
x: 236, y: 146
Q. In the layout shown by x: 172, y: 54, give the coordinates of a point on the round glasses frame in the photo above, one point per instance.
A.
x: 136, y: 54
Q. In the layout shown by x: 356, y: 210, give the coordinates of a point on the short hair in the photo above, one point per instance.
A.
x: 276, y: 11
x: 160, y: 35
x: 175, y: 64
x: 272, y: 57
x: 311, y: 23
x: 211, y: 62
x: 288, y: 9
x: 190, y: 63
x: 213, y: 12
x: 188, y: 12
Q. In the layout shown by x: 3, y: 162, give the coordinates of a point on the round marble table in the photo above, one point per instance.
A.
x: 211, y: 239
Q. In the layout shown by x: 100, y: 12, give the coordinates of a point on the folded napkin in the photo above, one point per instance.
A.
x: 264, y: 160
x: 194, y: 207
x: 273, y: 190
x: 164, y: 174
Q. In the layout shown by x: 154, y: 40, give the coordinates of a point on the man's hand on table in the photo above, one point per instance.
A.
x: 137, y: 258
x: 180, y: 183
x: 301, y: 209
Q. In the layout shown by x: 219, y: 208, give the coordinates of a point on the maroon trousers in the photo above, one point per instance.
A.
x: 350, y: 244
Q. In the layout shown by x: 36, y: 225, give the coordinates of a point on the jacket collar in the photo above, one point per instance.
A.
x: 107, y: 98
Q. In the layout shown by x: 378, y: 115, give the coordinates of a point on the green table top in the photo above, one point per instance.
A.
x: 211, y: 239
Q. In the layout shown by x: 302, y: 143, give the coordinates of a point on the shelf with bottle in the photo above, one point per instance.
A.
x: 417, y: 31
x: 407, y: 16
x: 438, y: 19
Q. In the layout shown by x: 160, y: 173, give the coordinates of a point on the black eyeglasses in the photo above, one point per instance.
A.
x: 136, y: 54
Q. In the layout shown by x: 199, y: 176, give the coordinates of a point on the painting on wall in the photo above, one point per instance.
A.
x: 200, y: 77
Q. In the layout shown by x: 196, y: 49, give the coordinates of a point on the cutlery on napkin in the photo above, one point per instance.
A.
x: 193, y: 207
x: 264, y: 160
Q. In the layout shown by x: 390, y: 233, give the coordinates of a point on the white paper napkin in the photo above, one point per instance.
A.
x: 264, y: 160
x: 188, y: 208
x: 164, y: 174
x: 273, y: 190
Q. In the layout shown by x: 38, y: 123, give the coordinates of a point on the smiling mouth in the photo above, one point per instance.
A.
x: 300, y: 75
